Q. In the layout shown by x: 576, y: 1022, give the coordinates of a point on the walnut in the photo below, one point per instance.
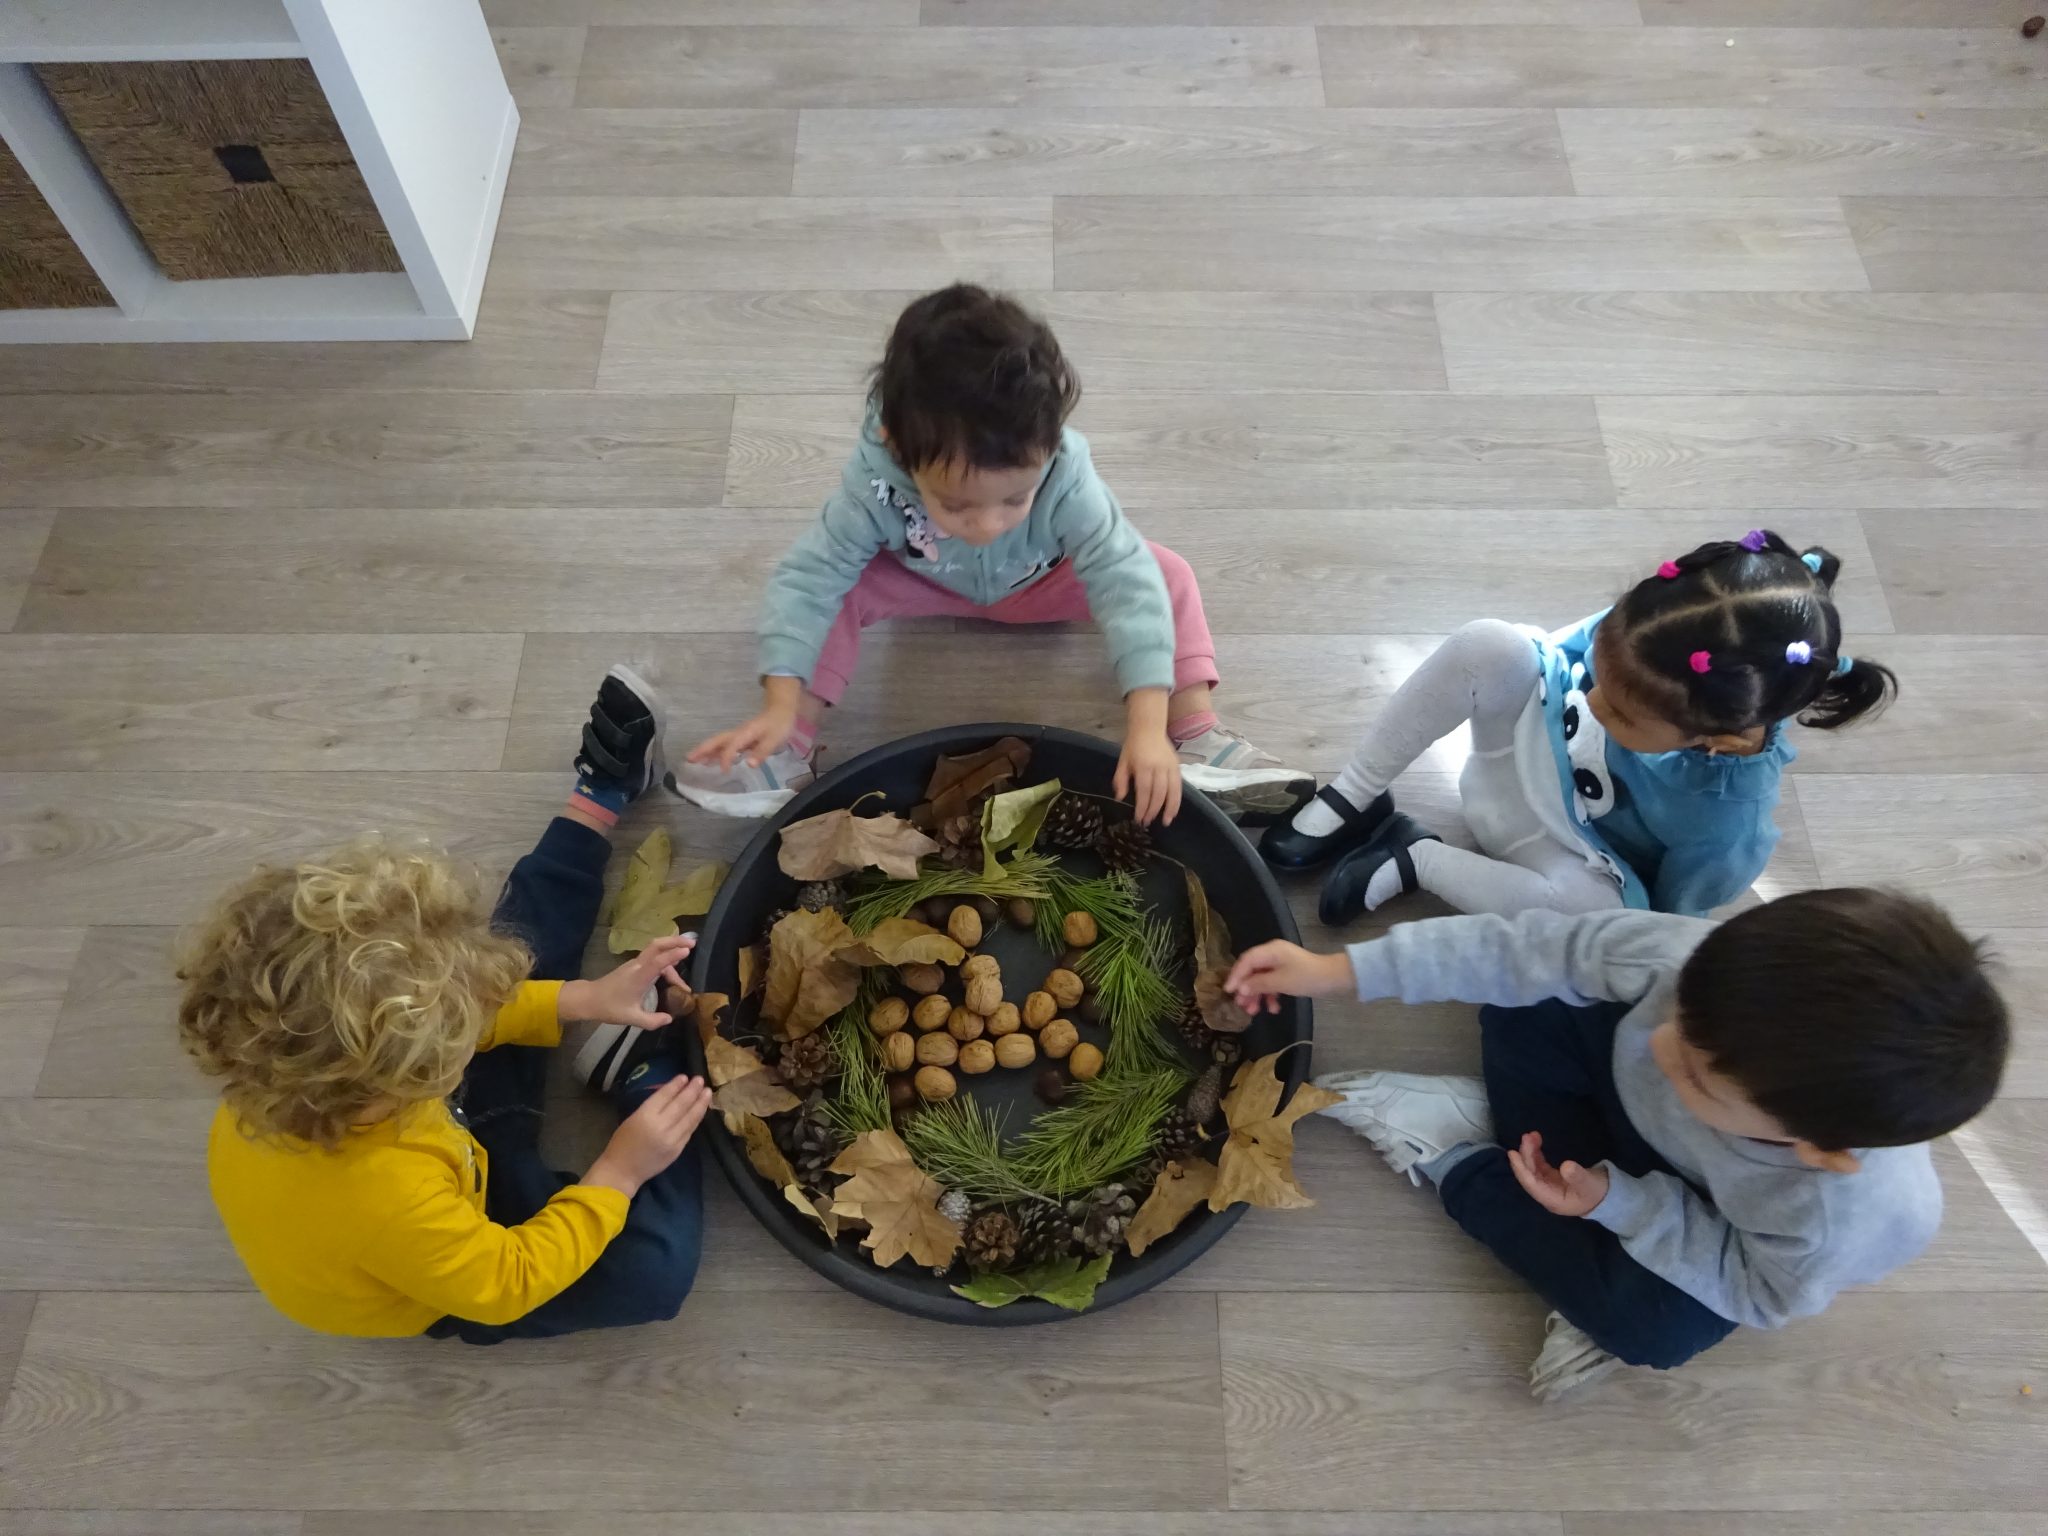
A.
x: 899, y: 1052
x: 964, y: 1024
x: 1084, y: 1061
x: 920, y: 977
x: 1065, y: 986
x: 964, y: 926
x: 980, y: 965
x: 1039, y: 1010
x: 933, y: 1012
x: 1017, y: 1050
x: 1005, y: 1020
x: 1058, y: 1038
x: 888, y: 1016
x: 938, y: 1050
x: 985, y: 994
x: 977, y: 1057
x: 1078, y: 929
x: 935, y: 1084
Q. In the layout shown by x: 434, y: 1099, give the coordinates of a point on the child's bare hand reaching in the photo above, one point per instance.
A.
x: 652, y: 1137
x: 1267, y: 972
x: 1573, y: 1190
x: 756, y: 740
x: 1149, y: 773
x: 621, y: 996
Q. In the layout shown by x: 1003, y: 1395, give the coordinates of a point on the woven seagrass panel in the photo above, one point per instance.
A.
x: 227, y: 167
x: 40, y: 268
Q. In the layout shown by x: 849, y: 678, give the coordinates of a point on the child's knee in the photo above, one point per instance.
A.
x: 658, y: 1284
x: 1492, y: 645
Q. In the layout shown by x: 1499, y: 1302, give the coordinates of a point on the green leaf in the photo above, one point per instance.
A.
x: 647, y: 907
x: 1065, y: 1283
x: 1010, y: 823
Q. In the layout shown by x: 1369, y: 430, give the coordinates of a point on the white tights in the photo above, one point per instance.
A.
x: 1481, y: 675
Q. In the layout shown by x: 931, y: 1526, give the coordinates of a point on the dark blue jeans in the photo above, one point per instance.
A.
x: 1550, y: 1068
x: 551, y: 900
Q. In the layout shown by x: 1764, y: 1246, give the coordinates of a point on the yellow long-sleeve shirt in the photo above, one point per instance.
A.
x: 387, y: 1233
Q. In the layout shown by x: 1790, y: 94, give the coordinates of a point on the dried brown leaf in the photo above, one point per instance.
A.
x: 759, y: 1141
x: 753, y: 969
x: 809, y: 979
x: 839, y: 842
x: 956, y: 781
x: 745, y: 1084
x: 706, y: 1007
x: 1213, y: 959
x: 1218, y: 1008
x: 904, y: 941
x: 897, y: 1199
x: 647, y: 907
x: 1256, y: 1164
x: 1179, y: 1188
x: 818, y: 1208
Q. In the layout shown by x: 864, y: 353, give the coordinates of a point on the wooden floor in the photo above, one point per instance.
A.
x: 1392, y: 314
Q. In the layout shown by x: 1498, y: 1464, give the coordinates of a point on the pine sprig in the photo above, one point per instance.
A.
x: 1106, y: 1126
x: 1029, y: 875
x: 1126, y: 966
x: 862, y: 1103
x: 960, y: 1144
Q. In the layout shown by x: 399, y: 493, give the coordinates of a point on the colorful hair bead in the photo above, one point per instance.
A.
x: 1811, y: 561
x: 1798, y: 653
x: 1755, y: 540
x: 1843, y: 664
x: 1669, y: 570
x: 1702, y: 661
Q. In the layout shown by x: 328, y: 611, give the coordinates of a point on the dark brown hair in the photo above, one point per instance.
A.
x: 1748, y: 606
x: 975, y: 378
x: 1853, y: 1017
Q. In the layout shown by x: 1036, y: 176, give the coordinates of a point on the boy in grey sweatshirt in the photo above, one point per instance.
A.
x: 1682, y: 1127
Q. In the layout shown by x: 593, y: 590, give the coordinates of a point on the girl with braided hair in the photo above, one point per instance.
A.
x: 1632, y: 760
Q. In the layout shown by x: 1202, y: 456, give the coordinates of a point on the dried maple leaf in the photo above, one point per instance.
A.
x: 759, y: 1140
x: 809, y: 978
x: 818, y: 1208
x: 745, y: 1084
x: 1213, y: 960
x: 646, y: 907
x: 706, y: 1007
x: 752, y: 971
x: 1256, y: 1164
x: 898, y: 1200
x: 904, y: 941
x: 1179, y: 1188
x: 956, y: 781
x: 839, y: 842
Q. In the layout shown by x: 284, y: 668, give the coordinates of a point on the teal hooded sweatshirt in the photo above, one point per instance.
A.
x: 876, y: 511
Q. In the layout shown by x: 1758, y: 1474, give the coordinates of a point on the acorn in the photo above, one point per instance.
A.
x: 902, y: 1092
x: 1050, y: 1085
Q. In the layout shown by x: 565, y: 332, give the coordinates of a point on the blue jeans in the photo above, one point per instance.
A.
x: 1550, y: 1068
x: 551, y: 900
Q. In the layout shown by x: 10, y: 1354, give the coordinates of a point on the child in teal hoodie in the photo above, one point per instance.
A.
x: 969, y: 497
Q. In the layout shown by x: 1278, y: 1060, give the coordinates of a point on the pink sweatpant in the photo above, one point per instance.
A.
x: 886, y: 590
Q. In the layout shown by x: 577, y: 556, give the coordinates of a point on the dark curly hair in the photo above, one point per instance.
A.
x: 973, y: 377
x: 1749, y: 609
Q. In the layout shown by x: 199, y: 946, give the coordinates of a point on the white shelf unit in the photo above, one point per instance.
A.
x: 416, y: 89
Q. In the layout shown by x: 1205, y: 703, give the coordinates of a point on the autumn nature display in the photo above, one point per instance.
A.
x: 867, y: 1013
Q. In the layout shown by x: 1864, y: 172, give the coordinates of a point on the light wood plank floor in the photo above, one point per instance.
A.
x: 1392, y: 313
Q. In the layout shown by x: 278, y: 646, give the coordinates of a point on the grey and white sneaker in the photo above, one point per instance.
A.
x: 1568, y: 1360
x: 1409, y: 1118
x: 1252, y: 786
x: 604, y: 1057
x: 744, y: 790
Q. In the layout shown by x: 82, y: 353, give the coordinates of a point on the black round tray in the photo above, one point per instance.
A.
x: 1239, y: 888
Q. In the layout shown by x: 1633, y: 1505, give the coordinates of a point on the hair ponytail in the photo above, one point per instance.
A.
x: 1863, y: 688
x: 1824, y: 564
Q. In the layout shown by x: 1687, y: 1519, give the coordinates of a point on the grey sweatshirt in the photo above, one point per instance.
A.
x: 1769, y: 1239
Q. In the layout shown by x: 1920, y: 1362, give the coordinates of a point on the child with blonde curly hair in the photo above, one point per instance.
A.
x: 382, y: 1042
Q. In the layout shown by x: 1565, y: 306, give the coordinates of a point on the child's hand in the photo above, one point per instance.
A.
x: 760, y: 736
x: 652, y: 1137
x: 1266, y: 972
x: 1149, y: 772
x: 621, y: 996
x: 1568, y: 1191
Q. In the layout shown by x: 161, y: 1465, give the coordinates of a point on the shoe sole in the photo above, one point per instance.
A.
x: 1259, y: 796
x: 741, y: 805
x: 606, y: 1040
x: 657, y: 708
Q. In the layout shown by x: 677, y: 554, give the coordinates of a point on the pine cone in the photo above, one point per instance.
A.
x: 1179, y: 1136
x: 1073, y: 822
x: 1097, y: 1220
x: 1223, y: 1050
x: 992, y: 1239
x: 1043, y: 1232
x: 809, y: 1140
x: 1203, y: 1099
x: 1124, y: 845
x: 817, y: 895
x: 955, y: 1206
x: 768, y: 923
x: 808, y: 1062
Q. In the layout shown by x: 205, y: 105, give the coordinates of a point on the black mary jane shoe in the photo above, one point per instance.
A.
x: 1291, y: 851
x: 1344, y: 891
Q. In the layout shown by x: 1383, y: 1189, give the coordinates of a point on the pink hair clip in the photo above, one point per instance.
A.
x: 1754, y: 541
x: 1669, y: 570
x: 1702, y: 661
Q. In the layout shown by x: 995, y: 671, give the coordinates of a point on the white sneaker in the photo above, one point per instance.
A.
x: 743, y: 790
x: 1251, y: 786
x: 1568, y: 1360
x: 1410, y: 1118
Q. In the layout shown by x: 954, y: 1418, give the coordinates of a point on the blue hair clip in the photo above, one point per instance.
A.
x: 1811, y: 561
x: 1843, y: 664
